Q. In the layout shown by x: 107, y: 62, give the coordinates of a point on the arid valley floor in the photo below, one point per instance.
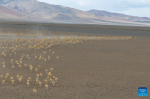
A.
x: 92, y: 69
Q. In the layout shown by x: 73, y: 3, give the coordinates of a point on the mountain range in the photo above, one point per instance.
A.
x: 35, y: 10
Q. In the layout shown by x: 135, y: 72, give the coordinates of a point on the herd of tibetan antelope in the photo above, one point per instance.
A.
x: 43, y: 53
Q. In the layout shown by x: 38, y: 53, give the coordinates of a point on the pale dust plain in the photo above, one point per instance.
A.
x: 105, y: 69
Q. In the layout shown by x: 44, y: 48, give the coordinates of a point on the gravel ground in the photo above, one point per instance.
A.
x: 103, y: 69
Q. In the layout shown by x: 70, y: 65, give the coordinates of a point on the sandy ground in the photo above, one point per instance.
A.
x: 105, y: 69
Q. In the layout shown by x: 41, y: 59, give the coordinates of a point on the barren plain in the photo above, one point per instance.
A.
x: 92, y: 69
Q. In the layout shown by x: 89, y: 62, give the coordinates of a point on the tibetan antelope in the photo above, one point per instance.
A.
x: 44, y: 52
x: 20, y: 79
x: 7, y: 74
x: 3, y: 66
x: 12, y: 81
x: 31, y: 69
x: 19, y: 66
x: 13, y: 66
x: 15, y: 53
x: 34, y: 91
x: 49, y: 74
x: 51, y: 69
x: 46, y: 86
x: 48, y: 57
x: 28, y: 83
x: 3, y: 82
x: 20, y: 59
x: 28, y: 58
x: 40, y: 83
x: 6, y: 78
x: 53, y: 83
x: 37, y: 80
x: 41, y: 74
x: 12, y: 62
x: 29, y: 79
x: 21, y: 76
x: 50, y: 80
x: 3, y: 63
x: 37, y: 75
x: 25, y: 65
x: 36, y: 70
x: 2, y: 53
x: 40, y: 58
x: 56, y: 79
x: 46, y: 71
x: 45, y: 59
x: 1, y: 76
x: 35, y: 57
x: 17, y: 77
x: 11, y: 78
x: 39, y: 66
x: 20, y: 62
x: 45, y: 80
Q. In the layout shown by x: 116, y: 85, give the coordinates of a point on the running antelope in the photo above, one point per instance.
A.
x: 37, y: 75
x: 6, y: 78
x: 31, y: 69
x: 36, y: 70
x: 40, y: 83
x: 37, y: 80
x: 39, y: 66
x: 12, y: 81
x: 1, y: 76
x: 45, y: 59
x: 46, y: 86
x: 53, y: 83
x: 20, y: 79
x: 41, y: 74
x: 51, y: 69
x: 46, y: 71
x: 34, y: 91
x: 49, y: 74
x: 45, y: 80
x: 3, y: 66
x: 25, y: 65
x: 35, y: 57
x: 13, y: 66
x: 56, y: 79
x: 28, y: 83
x: 50, y: 80
x: 19, y: 66
x: 3, y: 82
x: 29, y: 78
x: 17, y: 77
x: 48, y: 57
x: 11, y: 78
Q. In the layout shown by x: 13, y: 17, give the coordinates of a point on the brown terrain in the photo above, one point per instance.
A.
x: 94, y: 69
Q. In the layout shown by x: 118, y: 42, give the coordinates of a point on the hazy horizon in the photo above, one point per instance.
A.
x: 128, y: 7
